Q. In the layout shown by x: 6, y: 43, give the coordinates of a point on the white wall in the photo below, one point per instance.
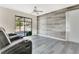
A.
x: 72, y: 18
x: 7, y: 19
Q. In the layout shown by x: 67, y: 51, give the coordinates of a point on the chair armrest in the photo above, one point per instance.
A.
x: 17, y: 47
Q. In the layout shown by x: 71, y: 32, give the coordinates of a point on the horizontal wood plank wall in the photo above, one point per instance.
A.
x: 53, y: 24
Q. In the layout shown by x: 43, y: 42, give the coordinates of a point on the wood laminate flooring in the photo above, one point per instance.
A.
x: 43, y: 45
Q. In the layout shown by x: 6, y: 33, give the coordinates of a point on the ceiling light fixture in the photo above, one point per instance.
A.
x: 35, y: 10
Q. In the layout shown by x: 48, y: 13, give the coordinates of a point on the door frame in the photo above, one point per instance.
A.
x: 24, y: 21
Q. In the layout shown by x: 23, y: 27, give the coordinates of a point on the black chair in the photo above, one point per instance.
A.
x: 14, y: 37
x: 17, y: 47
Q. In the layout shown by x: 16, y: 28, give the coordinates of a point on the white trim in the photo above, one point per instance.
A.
x: 57, y: 38
x: 52, y: 37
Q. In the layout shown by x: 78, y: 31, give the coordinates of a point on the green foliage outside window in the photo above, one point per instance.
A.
x: 19, y: 23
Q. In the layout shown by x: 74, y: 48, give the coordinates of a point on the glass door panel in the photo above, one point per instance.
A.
x: 28, y: 24
x: 23, y: 26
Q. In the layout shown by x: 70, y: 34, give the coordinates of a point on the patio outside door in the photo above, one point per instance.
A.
x: 23, y: 26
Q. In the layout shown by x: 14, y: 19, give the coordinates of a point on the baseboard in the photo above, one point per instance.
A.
x: 52, y: 37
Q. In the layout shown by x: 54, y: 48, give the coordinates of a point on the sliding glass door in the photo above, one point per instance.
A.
x: 23, y: 26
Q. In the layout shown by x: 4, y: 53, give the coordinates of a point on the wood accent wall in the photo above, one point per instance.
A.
x: 53, y: 24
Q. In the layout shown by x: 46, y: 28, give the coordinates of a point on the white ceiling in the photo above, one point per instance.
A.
x: 28, y: 8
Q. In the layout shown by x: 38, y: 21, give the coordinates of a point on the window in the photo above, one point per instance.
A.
x: 23, y: 25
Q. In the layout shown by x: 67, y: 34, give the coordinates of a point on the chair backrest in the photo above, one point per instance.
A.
x: 3, y: 39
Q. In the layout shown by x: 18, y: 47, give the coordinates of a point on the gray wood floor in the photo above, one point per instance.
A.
x: 43, y: 45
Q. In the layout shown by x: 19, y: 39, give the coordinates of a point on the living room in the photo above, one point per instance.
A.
x: 48, y: 27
